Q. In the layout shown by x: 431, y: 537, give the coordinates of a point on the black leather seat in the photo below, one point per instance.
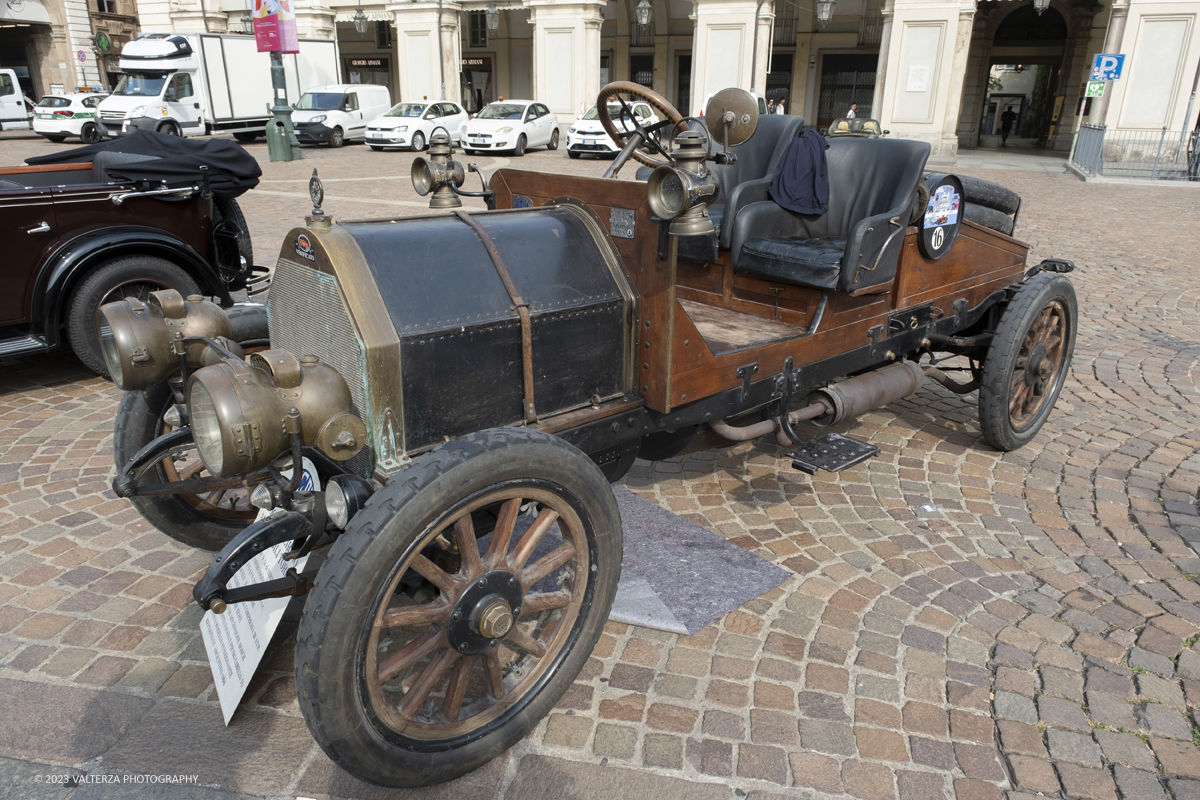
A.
x: 743, y: 182
x: 856, y: 243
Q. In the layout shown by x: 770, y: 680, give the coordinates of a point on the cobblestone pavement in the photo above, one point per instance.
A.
x: 961, y: 622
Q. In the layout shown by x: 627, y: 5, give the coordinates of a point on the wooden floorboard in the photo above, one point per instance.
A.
x: 724, y: 330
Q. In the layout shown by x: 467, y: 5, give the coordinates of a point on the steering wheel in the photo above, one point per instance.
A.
x: 646, y: 140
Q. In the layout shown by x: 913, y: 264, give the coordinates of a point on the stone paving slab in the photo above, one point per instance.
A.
x: 957, y: 622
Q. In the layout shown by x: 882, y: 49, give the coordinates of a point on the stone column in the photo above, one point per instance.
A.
x: 723, y: 47
x: 962, y: 48
x: 885, y: 42
x: 566, y: 55
x: 314, y: 20
x: 423, y: 69
x: 1112, y: 44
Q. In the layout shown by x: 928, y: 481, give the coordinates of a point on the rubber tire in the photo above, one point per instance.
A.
x: 57, y: 139
x: 245, y: 137
x: 418, y: 142
x: 337, y: 138
x: 228, y: 208
x: 85, y: 300
x: 1001, y: 359
x: 990, y: 194
x: 90, y: 134
x: 376, y: 148
x: 573, y: 154
x: 519, y: 150
x: 553, y: 140
x: 330, y: 634
x: 989, y: 218
x: 467, y: 152
x: 169, y: 128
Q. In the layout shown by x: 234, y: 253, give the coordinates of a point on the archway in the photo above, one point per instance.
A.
x: 1019, y: 60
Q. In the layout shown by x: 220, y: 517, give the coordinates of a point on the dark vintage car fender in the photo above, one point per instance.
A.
x: 72, y: 260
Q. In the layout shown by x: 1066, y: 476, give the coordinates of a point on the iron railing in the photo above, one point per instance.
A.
x: 870, y: 30
x: 785, y: 31
x: 1157, y: 155
x: 642, y: 35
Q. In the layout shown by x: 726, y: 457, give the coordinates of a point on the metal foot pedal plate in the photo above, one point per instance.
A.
x: 832, y: 452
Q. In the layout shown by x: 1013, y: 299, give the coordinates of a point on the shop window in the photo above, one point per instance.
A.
x: 478, y: 27
x: 107, y: 6
x: 383, y: 35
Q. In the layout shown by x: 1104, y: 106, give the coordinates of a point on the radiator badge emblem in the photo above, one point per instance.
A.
x: 304, y: 248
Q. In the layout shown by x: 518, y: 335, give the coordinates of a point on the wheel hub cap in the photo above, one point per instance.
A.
x: 485, y: 612
x: 1038, y: 366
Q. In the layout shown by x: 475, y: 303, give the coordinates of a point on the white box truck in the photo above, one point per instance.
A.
x: 194, y: 84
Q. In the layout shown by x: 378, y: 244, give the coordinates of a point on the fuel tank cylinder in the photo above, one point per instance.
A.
x: 452, y: 323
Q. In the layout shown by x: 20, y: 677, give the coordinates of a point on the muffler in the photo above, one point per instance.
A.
x: 871, y: 390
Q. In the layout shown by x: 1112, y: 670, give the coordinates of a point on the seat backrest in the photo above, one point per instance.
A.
x: 109, y: 159
x: 758, y: 157
x: 867, y: 177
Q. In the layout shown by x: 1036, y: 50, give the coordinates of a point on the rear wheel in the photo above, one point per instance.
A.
x: 418, y: 142
x: 134, y: 276
x: 226, y: 209
x: 520, y: 148
x: 337, y: 138
x: 90, y: 134
x: 458, y: 607
x: 554, y: 140
x: 1028, y: 361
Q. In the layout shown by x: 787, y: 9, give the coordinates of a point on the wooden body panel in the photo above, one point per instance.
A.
x: 735, y: 320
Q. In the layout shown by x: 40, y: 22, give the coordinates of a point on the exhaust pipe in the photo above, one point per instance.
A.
x: 833, y: 404
x: 867, y: 392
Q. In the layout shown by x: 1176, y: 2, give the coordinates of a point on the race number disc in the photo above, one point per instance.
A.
x: 943, y: 215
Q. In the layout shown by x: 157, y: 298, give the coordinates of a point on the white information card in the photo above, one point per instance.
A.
x: 237, y: 639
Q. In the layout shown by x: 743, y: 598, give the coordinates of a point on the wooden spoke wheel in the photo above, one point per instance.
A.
x: 458, y: 607
x: 1028, y: 360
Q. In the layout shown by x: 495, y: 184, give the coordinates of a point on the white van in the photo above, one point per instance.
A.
x: 758, y: 98
x: 335, y: 114
x: 14, y: 115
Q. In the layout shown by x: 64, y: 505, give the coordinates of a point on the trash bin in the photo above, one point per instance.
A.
x: 281, y: 142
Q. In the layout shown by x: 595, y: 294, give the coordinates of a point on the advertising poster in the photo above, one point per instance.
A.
x: 275, y: 26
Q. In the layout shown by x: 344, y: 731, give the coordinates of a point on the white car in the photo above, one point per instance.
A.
x: 762, y: 102
x: 411, y: 124
x: 587, y: 134
x: 58, y: 116
x: 513, y: 125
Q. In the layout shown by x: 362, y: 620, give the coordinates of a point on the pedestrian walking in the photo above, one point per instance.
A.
x: 853, y: 112
x: 770, y: 106
x: 779, y: 107
x: 1006, y: 123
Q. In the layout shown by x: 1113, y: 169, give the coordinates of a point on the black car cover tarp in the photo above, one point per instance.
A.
x: 231, y: 170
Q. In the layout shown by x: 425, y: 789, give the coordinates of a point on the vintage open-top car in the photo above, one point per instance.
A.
x: 468, y: 384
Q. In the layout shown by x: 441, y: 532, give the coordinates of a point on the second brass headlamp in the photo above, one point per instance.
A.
x: 683, y: 192
x: 436, y: 173
x: 239, y: 411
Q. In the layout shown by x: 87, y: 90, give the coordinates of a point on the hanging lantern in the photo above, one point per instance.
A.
x: 644, y: 12
x: 1040, y: 5
x: 825, y: 11
x: 247, y: 22
x: 493, y: 17
x: 360, y: 20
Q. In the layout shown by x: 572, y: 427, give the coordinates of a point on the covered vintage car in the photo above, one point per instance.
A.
x: 468, y: 382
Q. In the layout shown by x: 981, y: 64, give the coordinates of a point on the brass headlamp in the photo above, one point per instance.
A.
x: 682, y: 193
x: 438, y: 172
x: 139, y: 340
x: 239, y: 411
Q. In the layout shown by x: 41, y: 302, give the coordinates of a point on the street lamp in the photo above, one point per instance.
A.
x: 644, y: 12
x: 493, y: 17
x: 1040, y: 5
x: 825, y: 11
x: 247, y: 22
x: 360, y: 20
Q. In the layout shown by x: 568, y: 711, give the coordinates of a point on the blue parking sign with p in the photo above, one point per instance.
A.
x: 1107, y: 67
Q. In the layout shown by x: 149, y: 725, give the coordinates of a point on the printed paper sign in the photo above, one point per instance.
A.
x: 918, y: 78
x: 275, y: 26
x: 237, y: 639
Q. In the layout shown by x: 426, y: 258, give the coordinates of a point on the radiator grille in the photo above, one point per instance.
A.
x: 308, y: 316
x: 115, y: 116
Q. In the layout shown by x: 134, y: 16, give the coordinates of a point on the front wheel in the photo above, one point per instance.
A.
x: 572, y: 154
x: 90, y: 134
x: 554, y: 140
x: 169, y: 128
x: 1027, y: 361
x: 245, y: 136
x: 376, y: 148
x: 418, y: 142
x: 520, y: 149
x: 337, y: 138
x: 57, y: 139
x: 467, y: 152
x: 458, y: 607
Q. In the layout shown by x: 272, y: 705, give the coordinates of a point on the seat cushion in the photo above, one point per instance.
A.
x: 805, y: 262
